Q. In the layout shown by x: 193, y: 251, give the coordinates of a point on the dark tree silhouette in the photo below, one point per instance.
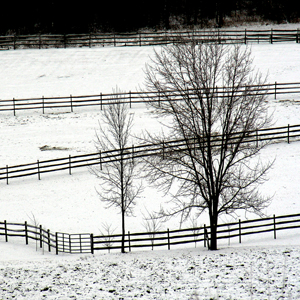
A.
x: 120, y: 186
x: 215, y: 169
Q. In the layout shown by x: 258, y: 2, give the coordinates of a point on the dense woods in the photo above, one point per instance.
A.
x: 53, y: 16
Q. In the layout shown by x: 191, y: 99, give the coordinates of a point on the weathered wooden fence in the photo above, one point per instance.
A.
x: 69, y: 103
x: 288, y: 133
x: 223, y: 36
x: 61, y: 242
x: 89, y: 243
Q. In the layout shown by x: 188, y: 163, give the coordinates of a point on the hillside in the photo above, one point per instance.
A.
x: 259, y: 268
x: 60, y: 72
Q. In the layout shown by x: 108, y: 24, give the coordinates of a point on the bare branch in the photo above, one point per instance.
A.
x: 216, y: 171
x: 119, y: 184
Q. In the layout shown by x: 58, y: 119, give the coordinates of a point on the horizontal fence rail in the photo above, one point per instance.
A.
x: 70, y: 103
x: 148, y: 38
x: 287, y: 133
x: 89, y: 243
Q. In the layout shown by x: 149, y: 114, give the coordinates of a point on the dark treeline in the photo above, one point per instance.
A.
x: 60, y: 16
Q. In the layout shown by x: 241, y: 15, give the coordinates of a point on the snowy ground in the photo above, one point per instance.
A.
x: 259, y: 268
x: 234, y: 273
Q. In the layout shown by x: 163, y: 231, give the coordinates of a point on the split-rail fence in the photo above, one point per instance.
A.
x: 222, y: 36
x: 69, y: 103
x: 288, y: 133
x: 90, y: 243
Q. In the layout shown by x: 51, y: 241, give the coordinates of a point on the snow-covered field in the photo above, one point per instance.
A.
x: 259, y: 268
x: 232, y: 273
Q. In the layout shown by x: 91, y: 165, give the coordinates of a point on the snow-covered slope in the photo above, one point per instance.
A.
x: 70, y: 203
x: 59, y: 72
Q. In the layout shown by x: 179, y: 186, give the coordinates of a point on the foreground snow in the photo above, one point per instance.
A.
x: 231, y: 273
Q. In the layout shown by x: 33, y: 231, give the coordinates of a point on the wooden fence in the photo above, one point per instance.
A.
x: 69, y: 103
x: 89, y: 243
x: 223, y: 36
x: 61, y: 242
x: 289, y: 133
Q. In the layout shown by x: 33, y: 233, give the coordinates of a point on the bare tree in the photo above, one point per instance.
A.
x: 107, y: 235
x: 119, y: 186
x: 36, y: 224
x: 196, y: 227
x: 152, y: 225
x: 215, y: 168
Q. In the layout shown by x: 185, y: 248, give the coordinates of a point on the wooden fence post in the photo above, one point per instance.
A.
x: 132, y: 154
x: 158, y: 98
x: 49, y: 240
x: 71, y: 103
x: 70, y: 243
x: 129, y: 99
x: 63, y: 242
x: 271, y: 37
x: 41, y: 236
x: 38, y: 168
x: 92, y: 243
x: 275, y: 90
x: 240, y: 231
x: 5, y: 231
x: 256, y: 138
x: 14, y: 106
x: 274, y: 222
x: 245, y: 36
x: 6, y: 174
x: 100, y: 158
x: 70, y: 167
x: 43, y: 104
x: 15, y: 40
x: 101, y: 101
x: 26, y: 233
x: 129, y: 243
x: 205, y: 233
x: 169, y: 246
x: 56, y: 243
x: 288, y: 133
x: 80, y: 245
x: 206, y: 239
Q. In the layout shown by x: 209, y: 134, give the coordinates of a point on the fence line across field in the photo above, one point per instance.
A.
x: 222, y: 36
x: 90, y: 243
x: 101, y: 100
x: 288, y: 133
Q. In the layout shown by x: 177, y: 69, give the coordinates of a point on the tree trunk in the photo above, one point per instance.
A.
x: 123, y: 232
x: 213, y: 232
x: 219, y: 14
x: 122, y: 199
x: 123, y: 204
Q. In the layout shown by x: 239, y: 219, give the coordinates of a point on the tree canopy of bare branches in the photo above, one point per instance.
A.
x: 119, y: 185
x: 216, y: 169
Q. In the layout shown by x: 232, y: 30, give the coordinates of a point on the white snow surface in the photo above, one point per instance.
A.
x: 232, y: 273
x: 259, y: 268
